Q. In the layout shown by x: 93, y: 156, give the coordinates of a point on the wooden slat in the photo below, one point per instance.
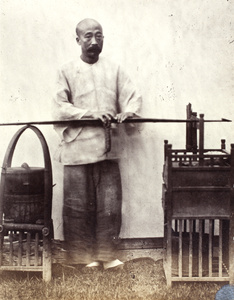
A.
x: 36, y: 249
x: 199, y: 216
x: 194, y: 225
x: 190, y: 247
x: 22, y: 268
x: 220, y: 248
x: 231, y: 230
x: 169, y: 251
x: 203, y: 226
x: 19, y: 226
x: 28, y: 241
x: 176, y: 225
x: 47, y: 270
x: 190, y: 161
x: 180, y: 247
x: 201, y: 139
x: 196, y: 279
x: 20, y: 248
x: 169, y: 215
x: 210, y: 246
x: 200, y: 250
x: 1, y: 247
x: 185, y: 225
x: 201, y: 189
x: 11, y: 248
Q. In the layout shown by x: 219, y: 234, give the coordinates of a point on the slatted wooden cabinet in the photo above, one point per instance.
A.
x: 198, y: 214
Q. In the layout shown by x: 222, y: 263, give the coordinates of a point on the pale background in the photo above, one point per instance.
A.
x: 175, y: 51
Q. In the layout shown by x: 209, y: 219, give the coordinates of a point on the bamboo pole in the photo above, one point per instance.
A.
x: 87, y: 121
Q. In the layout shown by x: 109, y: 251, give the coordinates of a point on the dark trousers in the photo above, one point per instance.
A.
x: 92, y: 211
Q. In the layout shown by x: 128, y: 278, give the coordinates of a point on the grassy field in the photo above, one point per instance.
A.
x: 140, y: 279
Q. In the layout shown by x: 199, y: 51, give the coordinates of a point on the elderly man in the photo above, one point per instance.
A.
x: 92, y: 87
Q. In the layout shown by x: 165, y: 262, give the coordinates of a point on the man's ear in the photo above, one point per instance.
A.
x: 78, y: 40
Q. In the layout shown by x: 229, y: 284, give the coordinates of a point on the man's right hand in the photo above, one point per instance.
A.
x: 101, y: 115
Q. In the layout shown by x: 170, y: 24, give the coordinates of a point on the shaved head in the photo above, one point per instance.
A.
x: 82, y: 25
x: 90, y: 38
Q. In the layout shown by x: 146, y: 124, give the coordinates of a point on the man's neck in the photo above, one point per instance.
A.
x: 89, y: 60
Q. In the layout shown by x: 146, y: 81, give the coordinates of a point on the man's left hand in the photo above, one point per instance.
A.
x: 123, y: 116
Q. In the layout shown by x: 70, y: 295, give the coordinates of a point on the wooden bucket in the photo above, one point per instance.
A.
x: 24, y: 195
x: 26, y: 192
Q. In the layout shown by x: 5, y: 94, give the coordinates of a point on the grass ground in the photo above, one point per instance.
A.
x: 140, y: 279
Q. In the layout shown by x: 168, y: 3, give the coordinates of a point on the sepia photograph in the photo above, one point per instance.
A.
x: 116, y: 150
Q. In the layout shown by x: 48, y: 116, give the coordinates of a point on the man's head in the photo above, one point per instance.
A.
x: 90, y: 38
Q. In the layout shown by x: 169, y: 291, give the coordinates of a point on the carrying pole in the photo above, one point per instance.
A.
x: 87, y: 121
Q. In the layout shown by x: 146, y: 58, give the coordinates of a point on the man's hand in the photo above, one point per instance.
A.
x: 123, y: 116
x: 101, y: 115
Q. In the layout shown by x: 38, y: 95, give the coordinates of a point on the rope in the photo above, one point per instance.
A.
x: 107, y: 128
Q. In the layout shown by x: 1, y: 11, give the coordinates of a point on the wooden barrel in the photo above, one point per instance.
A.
x: 26, y: 192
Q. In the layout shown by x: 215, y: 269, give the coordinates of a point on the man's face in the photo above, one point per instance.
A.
x: 91, y: 40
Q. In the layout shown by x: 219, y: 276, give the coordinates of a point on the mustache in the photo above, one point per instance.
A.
x: 94, y: 48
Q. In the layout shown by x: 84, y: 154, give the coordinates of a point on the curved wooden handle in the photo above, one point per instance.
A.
x: 11, y: 147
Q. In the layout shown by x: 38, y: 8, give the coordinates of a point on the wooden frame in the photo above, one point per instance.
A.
x: 27, y: 246
x: 198, y: 203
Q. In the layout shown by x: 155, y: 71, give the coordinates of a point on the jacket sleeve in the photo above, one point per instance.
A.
x: 128, y: 97
x: 63, y: 109
x: 129, y: 100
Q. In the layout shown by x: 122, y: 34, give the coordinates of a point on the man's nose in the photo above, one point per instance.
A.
x: 93, y: 41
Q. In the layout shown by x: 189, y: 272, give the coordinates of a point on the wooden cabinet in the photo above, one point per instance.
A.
x: 198, y: 200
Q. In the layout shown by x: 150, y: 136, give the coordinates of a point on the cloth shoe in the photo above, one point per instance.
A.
x: 117, y: 264
x: 93, y: 264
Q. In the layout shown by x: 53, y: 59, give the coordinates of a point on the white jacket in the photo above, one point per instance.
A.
x: 83, y: 87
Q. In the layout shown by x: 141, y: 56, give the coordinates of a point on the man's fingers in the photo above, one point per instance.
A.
x: 109, y: 116
x: 118, y: 118
x: 123, y: 116
x: 105, y: 117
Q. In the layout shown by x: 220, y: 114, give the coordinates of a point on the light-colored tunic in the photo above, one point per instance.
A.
x: 92, y: 183
x: 83, y: 87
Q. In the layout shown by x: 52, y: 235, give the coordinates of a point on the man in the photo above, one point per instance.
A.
x: 92, y: 87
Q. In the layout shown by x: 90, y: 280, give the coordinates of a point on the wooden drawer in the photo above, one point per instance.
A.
x: 201, y: 203
x: 200, y: 176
